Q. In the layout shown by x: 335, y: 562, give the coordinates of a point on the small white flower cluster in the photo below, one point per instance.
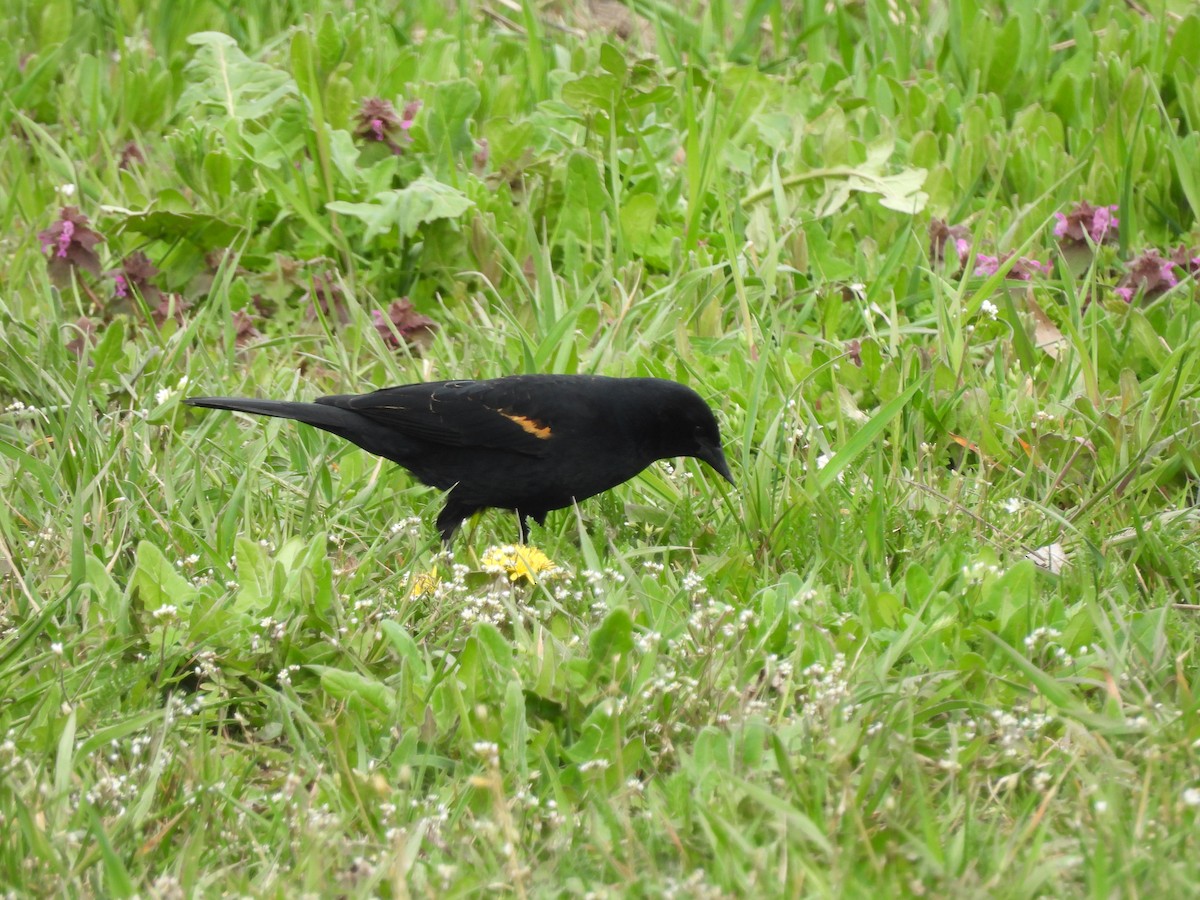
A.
x: 45, y: 535
x: 693, y: 583
x: 1042, y: 417
x: 206, y: 664
x: 488, y: 751
x: 1017, y: 731
x: 675, y: 474
x: 112, y: 793
x: 695, y: 887
x: 979, y: 571
x: 166, y: 393
x: 825, y: 691
x: 409, y: 527
x: 1046, y: 638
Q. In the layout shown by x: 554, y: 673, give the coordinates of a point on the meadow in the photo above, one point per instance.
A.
x: 935, y: 267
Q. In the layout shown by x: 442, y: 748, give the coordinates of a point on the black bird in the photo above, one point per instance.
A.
x: 529, y: 443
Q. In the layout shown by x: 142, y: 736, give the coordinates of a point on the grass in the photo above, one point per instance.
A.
x: 232, y: 659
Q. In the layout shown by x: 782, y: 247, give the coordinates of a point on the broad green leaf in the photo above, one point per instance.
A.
x: 223, y: 77
x: 613, y: 637
x: 352, y: 687
x: 206, y: 231
x: 406, y: 209
x: 158, y: 583
x: 446, y: 117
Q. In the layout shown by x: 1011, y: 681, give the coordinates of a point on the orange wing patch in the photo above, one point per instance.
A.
x: 533, y: 426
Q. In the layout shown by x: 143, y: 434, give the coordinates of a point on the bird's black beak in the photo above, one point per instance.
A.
x: 715, y: 457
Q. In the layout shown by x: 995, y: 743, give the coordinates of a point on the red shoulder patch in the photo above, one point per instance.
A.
x: 533, y: 426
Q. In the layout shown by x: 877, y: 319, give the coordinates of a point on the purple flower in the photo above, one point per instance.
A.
x: 244, y: 331
x: 135, y: 274
x: 172, y: 306
x: 131, y: 154
x: 85, y: 336
x: 411, y: 108
x: 986, y: 265
x: 1150, y: 275
x: 482, y: 152
x: 1183, y: 258
x: 415, y: 329
x: 1087, y: 224
x: 379, y: 122
x: 69, y: 243
x: 941, y: 233
x: 329, y: 296
x: 1022, y: 270
x: 65, y: 236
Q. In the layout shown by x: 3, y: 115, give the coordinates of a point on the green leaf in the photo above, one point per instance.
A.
x: 301, y: 51
x: 591, y: 93
x: 351, y: 687
x: 404, y: 645
x: 223, y: 77
x: 446, y: 117
x: 117, y: 880
x: 406, y: 209
x: 158, y: 583
x: 329, y: 45
x: 639, y: 215
x: 205, y: 231
x: 586, y: 200
x: 110, y: 600
x: 612, y: 60
x: 614, y: 637
x: 345, y: 156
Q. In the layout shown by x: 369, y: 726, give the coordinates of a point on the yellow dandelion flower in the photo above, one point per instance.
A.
x: 519, y: 562
x: 425, y: 583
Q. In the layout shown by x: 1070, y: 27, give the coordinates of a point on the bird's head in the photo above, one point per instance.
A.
x: 687, y: 427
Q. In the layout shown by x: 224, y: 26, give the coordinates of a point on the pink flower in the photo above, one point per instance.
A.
x: 1087, y: 224
x: 1182, y: 258
x: 1022, y: 270
x: 1150, y: 275
x: 65, y: 236
x: 986, y: 265
x: 415, y: 329
x: 379, y: 122
x: 85, y: 336
x: 244, y: 331
x: 941, y: 233
x: 327, y: 294
x: 411, y: 108
x: 70, y: 242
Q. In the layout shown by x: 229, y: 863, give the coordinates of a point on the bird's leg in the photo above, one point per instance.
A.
x: 449, y: 520
x: 523, y: 520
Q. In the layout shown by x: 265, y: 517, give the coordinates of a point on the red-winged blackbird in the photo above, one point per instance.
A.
x: 529, y: 443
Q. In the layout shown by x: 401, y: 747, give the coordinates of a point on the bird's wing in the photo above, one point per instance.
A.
x: 502, y: 414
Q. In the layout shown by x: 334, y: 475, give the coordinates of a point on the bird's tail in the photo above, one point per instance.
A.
x: 329, y: 418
